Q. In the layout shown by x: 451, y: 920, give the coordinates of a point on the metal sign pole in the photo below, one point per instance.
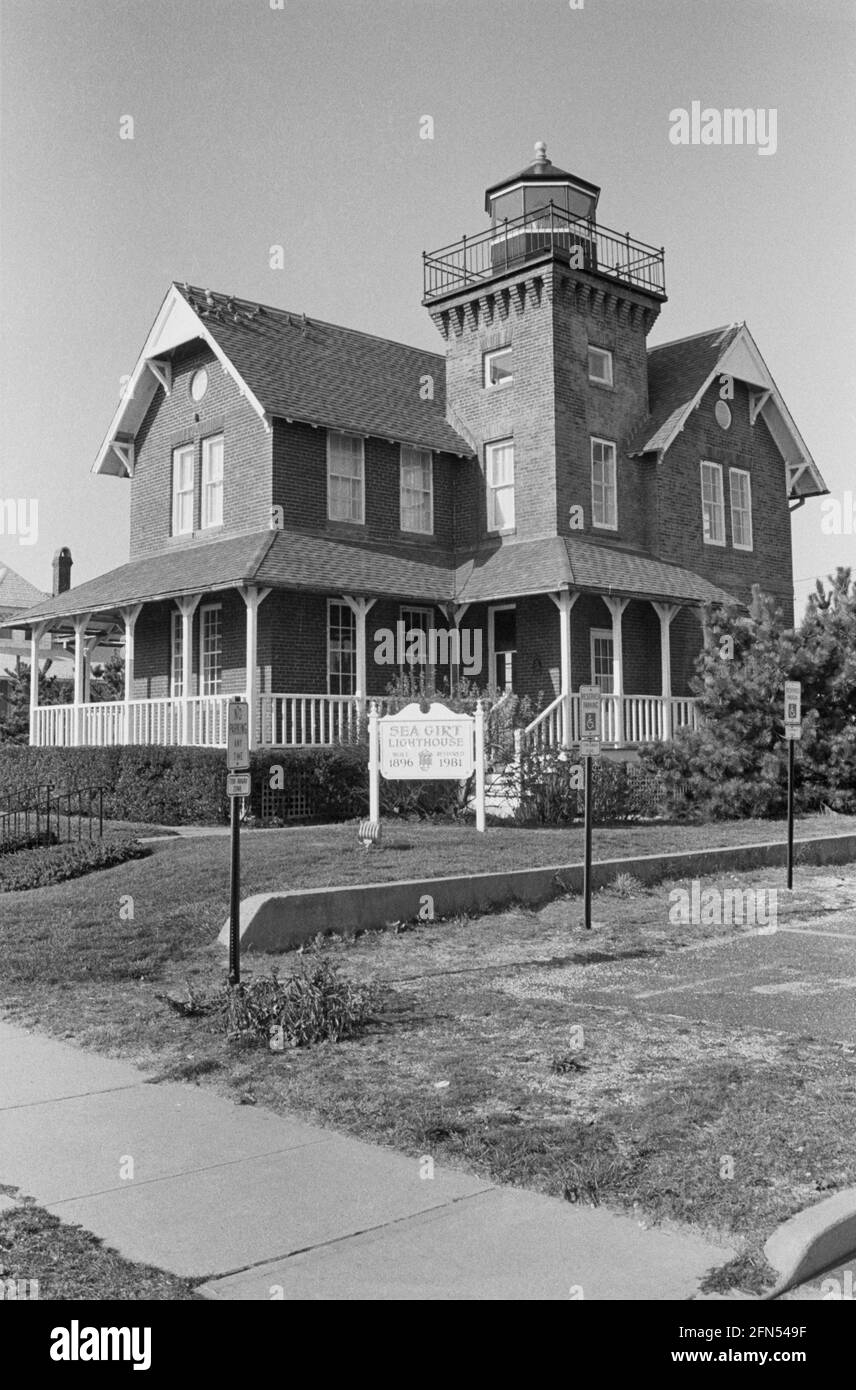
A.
x: 235, y: 895
x: 791, y: 812
x: 587, y: 859
x: 478, y: 729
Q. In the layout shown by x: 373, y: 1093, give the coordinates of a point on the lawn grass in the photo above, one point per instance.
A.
x: 66, y: 1262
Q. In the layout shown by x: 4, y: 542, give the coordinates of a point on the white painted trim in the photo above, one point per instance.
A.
x: 595, y: 439
x: 162, y: 373
x: 709, y: 463
x: 490, y: 487
x: 602, y: 634
x: 487, y: 357
x: 348, y: 434
x: 608, y: 353
x: 492, y: 610
x: 744, y: 473
x: 203, y: 609
x: 412, y: 530
x: 340, y: 603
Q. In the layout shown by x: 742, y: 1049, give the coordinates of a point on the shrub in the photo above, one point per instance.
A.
x: 315, y: 1004
x: 620, y: 791
x: 36, y: 868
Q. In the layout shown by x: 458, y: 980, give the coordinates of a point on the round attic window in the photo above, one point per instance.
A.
x: 198, y: 384
x: 723, y: 414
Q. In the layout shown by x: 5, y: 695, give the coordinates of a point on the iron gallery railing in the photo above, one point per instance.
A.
x: 46, y: 815
x: 510, y: 243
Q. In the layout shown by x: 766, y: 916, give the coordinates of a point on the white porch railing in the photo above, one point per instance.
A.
x: 646, y: 719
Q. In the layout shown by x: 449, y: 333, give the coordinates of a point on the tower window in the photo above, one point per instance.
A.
x: 600, y: 366
x: 499, y: 466
x: 604, y: 487
x: 497, y: 367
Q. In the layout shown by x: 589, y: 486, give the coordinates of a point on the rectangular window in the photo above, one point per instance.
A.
x: 176, y: 675
x: 601, y: 659
x: 497, y: 367
x: 502, y: 644
x: 417, y: 490
x: 712, y: 504
x: 212, y: 481
x: 600, y: 366
x: 740, y: 490
x: 182, y: 490
x: 604, y: 487
x: 345, y: 478
x: 417, y: 620
x: 341, y: 648
x: 499, y: 467
x: 211, y: 649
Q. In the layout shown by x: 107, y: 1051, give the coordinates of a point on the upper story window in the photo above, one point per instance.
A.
x: 198, y: 384
x: 497, y: 367
x: 740, y: 491
x: 712, y: 504
x: 604, y: 486
x: 212, y: 481
x: 182, y: 490
x: 600, y: 366
x: 499, y: 469
x: 417, y: 490
x: 345, y: 478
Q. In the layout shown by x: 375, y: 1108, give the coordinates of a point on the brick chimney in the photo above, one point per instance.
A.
x: 62, y: 563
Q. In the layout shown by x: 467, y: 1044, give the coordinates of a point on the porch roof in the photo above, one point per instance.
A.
x: 557, y: 562
x: 303, y: 561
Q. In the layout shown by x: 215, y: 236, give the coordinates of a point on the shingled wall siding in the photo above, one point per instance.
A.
x: 170, y: 422
x: 680, y: 537
x: 300, y: 488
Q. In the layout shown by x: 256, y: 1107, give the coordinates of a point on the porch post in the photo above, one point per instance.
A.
x: 565, y: 601
x: 253, y: 596
x: 616, y: 608
x: 360, y: 607
x: 79, y: 675
x: 187, y: 606
x: 666, y: 612
x: 91, y: 644
x: 130, y: 616
x: 36, y: 634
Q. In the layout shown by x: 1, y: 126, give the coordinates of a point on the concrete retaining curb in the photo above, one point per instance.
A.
x: 814, y: 1240
x: 278, y: 921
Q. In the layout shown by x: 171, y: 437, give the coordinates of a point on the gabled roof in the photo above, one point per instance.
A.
x: 680, y: 374
x: 293, y: 368
x: 16, y: 592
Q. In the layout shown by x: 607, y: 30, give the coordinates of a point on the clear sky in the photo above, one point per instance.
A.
x: 299, y: 126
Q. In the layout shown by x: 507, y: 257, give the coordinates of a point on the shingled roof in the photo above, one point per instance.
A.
x: 676, y: 372
x: 17, y: 594
x: 299, y: 560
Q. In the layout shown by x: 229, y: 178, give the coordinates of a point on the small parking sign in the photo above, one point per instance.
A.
x: 793, y: 709
x: 590, y: 732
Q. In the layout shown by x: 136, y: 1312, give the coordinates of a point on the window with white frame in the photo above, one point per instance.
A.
x: 212, y: 481
x: 417, y: 490
x: 176, y: 671
x: 502, y: 643
x: 604, y: 488
x: 497, y: 367
x: 341, y: 648
x: 345, y: 477
x: 600, y: 366
x: 712, y: 504
x: 740, y: 492
x: 416, y: 620
x: 499, y: 468
x: 182, y: 490
x: 211, y: 649
x: 602, y: 670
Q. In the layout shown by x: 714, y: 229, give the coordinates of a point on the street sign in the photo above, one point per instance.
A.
x: 793, y: 709
x: 590, y: 721
x: 417, y: 746
x: 238, y: 736
x: 238, y: 784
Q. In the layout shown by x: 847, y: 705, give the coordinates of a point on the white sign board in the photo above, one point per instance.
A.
x: 238, y: 784
x: 590, y: 721
x: 417, y: 746
x: 793, y: 709
x: 238, y: 736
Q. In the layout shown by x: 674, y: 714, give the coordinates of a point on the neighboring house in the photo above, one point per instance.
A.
x: 568, y: 495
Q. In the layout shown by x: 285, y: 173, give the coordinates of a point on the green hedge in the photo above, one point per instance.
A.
x: 36, y: 868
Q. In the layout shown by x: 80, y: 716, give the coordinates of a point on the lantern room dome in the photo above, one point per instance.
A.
x: 538, y: 185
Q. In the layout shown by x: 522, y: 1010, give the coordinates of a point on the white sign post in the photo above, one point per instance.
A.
x: 793, y: 731
x: 419, y: 745
x: 590, y: 740
x: 237, y: 762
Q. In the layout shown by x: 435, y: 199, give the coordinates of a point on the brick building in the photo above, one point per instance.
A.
x: 549, y: 485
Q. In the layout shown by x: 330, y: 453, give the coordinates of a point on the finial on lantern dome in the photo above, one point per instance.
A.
x: 541, y: 153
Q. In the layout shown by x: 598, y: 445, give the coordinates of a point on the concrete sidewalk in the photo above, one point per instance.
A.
x: 263, y: 1206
